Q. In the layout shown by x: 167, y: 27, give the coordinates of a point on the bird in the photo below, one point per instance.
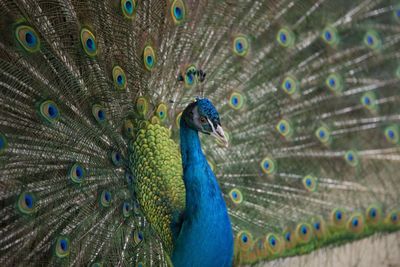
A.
x: 197, y: 133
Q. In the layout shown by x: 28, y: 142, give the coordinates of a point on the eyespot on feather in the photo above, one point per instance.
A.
x: 149, y: 58
x: 76, y: 173
x: 356, y: 223
x: 319, y: 227
x: 289, y: 238
x: 105, y: 198
x: 290, y: 85
x: 99, y: 113
x: 304, y: 232
x: 178, y: 11
x: 241, y: 45
x: 373, y: 214
x: 119, y: 78
x: 162, y: 112
x: 128, y: 8
x: 334, y: 82
x: 244, y: 239
x: 268, y: 166
x: 236, y: 196
x: 28, y: 38
x: 26, y: 203
x: 62, y: 247
x: 285, y: 37
x: 310, y: 183
x: 338, y: 217
x: 352, y: 158
x: 88, y: 41
x: 274, y: 243
x: 236, y: 101
x: 49, y: 111
x: 330, y: 36
x: 323, y: 134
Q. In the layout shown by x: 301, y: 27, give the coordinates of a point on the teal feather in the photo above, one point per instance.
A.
x: 91, y: 100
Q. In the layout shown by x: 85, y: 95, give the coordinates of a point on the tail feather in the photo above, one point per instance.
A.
x: 307, y: 91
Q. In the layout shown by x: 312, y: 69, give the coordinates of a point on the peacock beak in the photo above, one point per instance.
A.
x: 220, y: 135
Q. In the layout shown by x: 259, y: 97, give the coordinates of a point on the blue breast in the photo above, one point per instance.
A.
x: 206, y: 236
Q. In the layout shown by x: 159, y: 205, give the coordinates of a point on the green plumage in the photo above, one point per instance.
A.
x: 91, y: 94
x: 157, y: 167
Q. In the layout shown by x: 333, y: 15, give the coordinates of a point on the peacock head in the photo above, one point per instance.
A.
x: 202, y: 116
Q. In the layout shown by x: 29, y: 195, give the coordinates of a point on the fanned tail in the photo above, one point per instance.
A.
x: 306, y: 90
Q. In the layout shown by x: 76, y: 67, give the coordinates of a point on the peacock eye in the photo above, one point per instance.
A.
x: 203, y: 119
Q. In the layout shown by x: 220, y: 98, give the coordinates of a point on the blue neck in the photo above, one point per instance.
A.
x: 194, y: 162
x: 205, y: 238
x: 190, y: 146
x: 203, y: 194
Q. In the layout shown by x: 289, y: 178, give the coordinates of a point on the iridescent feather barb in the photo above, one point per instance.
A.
x: 91, y: 98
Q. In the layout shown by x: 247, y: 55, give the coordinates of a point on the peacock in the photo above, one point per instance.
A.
x: 199, y: 133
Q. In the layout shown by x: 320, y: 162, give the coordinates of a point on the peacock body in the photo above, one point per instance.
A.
x: 205, y: 207
x: 102, y: 102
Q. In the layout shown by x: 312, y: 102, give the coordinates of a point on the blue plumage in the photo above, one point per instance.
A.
x: 206, y: 237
